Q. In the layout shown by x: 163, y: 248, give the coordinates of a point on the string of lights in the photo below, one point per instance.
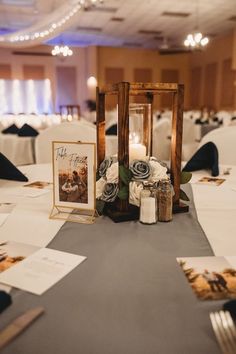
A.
x: 53, y: 24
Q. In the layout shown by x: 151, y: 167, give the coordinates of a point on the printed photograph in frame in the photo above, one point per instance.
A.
x: 74, y: 175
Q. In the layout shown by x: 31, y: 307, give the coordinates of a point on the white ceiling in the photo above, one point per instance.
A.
x: 96, y: 27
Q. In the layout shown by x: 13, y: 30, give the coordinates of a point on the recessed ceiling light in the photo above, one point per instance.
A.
x: 117, y: 19
x: 153, y: 32
x: 175, y: 14
x: 102, y: 9
x: 89, y: 29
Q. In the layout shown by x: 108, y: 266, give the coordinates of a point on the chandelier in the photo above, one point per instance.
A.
x: 196, y: 40
x: 62, y: 51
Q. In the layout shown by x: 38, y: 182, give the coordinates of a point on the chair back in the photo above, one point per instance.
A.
x: 73, y: 131
x: 225, y: 140
x: 161, y: 139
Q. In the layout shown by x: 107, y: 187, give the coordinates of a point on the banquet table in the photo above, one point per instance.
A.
x: 18, y: 149
x: 130, y: 295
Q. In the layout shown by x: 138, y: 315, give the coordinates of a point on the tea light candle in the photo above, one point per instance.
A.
x: 137, y: 152
x: 148, y: 210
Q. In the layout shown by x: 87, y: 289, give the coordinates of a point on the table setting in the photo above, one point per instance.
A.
x: 153, y: 272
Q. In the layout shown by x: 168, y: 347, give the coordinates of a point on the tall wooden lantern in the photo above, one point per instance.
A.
x: 123, y: 90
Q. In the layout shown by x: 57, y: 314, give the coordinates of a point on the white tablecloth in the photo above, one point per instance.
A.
x: 216, y: 210
x: 29, y: 221
x: 18, y: 149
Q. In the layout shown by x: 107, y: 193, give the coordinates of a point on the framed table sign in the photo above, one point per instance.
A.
x: 74, y: 181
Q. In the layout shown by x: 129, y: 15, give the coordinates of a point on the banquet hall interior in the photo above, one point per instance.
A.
x: 118, y: 176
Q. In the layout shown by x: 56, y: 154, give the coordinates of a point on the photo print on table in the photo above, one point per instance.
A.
x: 38, y: 184
x: 211, y: 181
x: 211, y: 278
x: 74, y: 175
x: 11, y: 253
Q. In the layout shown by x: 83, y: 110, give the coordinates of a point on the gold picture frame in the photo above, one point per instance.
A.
x: 74, y: 181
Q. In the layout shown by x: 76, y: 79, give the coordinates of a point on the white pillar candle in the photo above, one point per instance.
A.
x: 137, y: 152
x: 148, y: 210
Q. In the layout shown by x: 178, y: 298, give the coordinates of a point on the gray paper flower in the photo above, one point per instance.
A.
x: 110, y: 192
x: 105, y: 164
x: 140, y: 169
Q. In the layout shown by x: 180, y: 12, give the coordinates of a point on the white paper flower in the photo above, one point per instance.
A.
x: 100, y: 185
x: 112, y: 173
x: 134, y: 192
x: 157, y: 171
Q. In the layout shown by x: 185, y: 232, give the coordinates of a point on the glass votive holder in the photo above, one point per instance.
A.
x: 148, y: 205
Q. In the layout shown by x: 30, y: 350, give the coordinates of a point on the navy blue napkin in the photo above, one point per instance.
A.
x: 5, y: 300
x: 12, y: 129
x: 231, y: 307
x: 9, y: 171
x: 112, y: 130
x: 27, y: 130
x: 205, y: 158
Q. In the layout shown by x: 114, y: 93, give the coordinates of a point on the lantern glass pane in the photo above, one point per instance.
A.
x: 139, y: 131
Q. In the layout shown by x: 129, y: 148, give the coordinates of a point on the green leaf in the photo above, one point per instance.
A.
x: 97, y: 176
x: 183, y: 195
x: 123, y: 193
x: 185, y: 177
x: 125, y: 175
x: 100, y: 206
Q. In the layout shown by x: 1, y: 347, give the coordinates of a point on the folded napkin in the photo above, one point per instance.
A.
x: 112, y: 130
x: 5, y: 300
x: 231, y: 307
x: 205, y: 158
x: 9, y: 171
x: 12, y: 129
x: 27, y: 130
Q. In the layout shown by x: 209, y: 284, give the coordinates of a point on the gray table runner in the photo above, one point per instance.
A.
x: 129, y: 297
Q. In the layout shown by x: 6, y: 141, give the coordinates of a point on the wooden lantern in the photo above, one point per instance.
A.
x: 123, y: 90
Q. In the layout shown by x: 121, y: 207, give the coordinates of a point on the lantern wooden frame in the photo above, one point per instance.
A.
x: 123, y: 90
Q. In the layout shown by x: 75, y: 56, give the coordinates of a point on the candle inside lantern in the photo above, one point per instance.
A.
x: 137, y: 151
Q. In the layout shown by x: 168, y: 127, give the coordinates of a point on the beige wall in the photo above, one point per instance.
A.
x: 84, y: 67
x: 131, y: 59
x: 218, y: 51
x: 100, y: 61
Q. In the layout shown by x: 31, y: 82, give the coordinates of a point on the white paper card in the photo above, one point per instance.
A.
x: 41, y: 270
x: 5, y: 211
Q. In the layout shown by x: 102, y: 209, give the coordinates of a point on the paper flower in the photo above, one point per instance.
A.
x: 110, y: 192
x: 158, y: 171
x: 140, y: 169
x: 135, y: 189
x: 100, y: 185
x: 105, y: 164
x: 112, y: 173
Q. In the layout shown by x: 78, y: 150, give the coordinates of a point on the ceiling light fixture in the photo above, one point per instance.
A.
x: 53, y: 25
x: 62, y: 51
x: 196, y: 39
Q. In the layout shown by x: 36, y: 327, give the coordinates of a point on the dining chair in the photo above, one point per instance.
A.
x: 161, y: 139
x: 225, y: 140
x: 189, y: 140
x: 67, y: 131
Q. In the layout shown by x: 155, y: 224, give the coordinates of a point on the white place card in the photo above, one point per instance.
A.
x: 5, y: 211
x: 41, y: 270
